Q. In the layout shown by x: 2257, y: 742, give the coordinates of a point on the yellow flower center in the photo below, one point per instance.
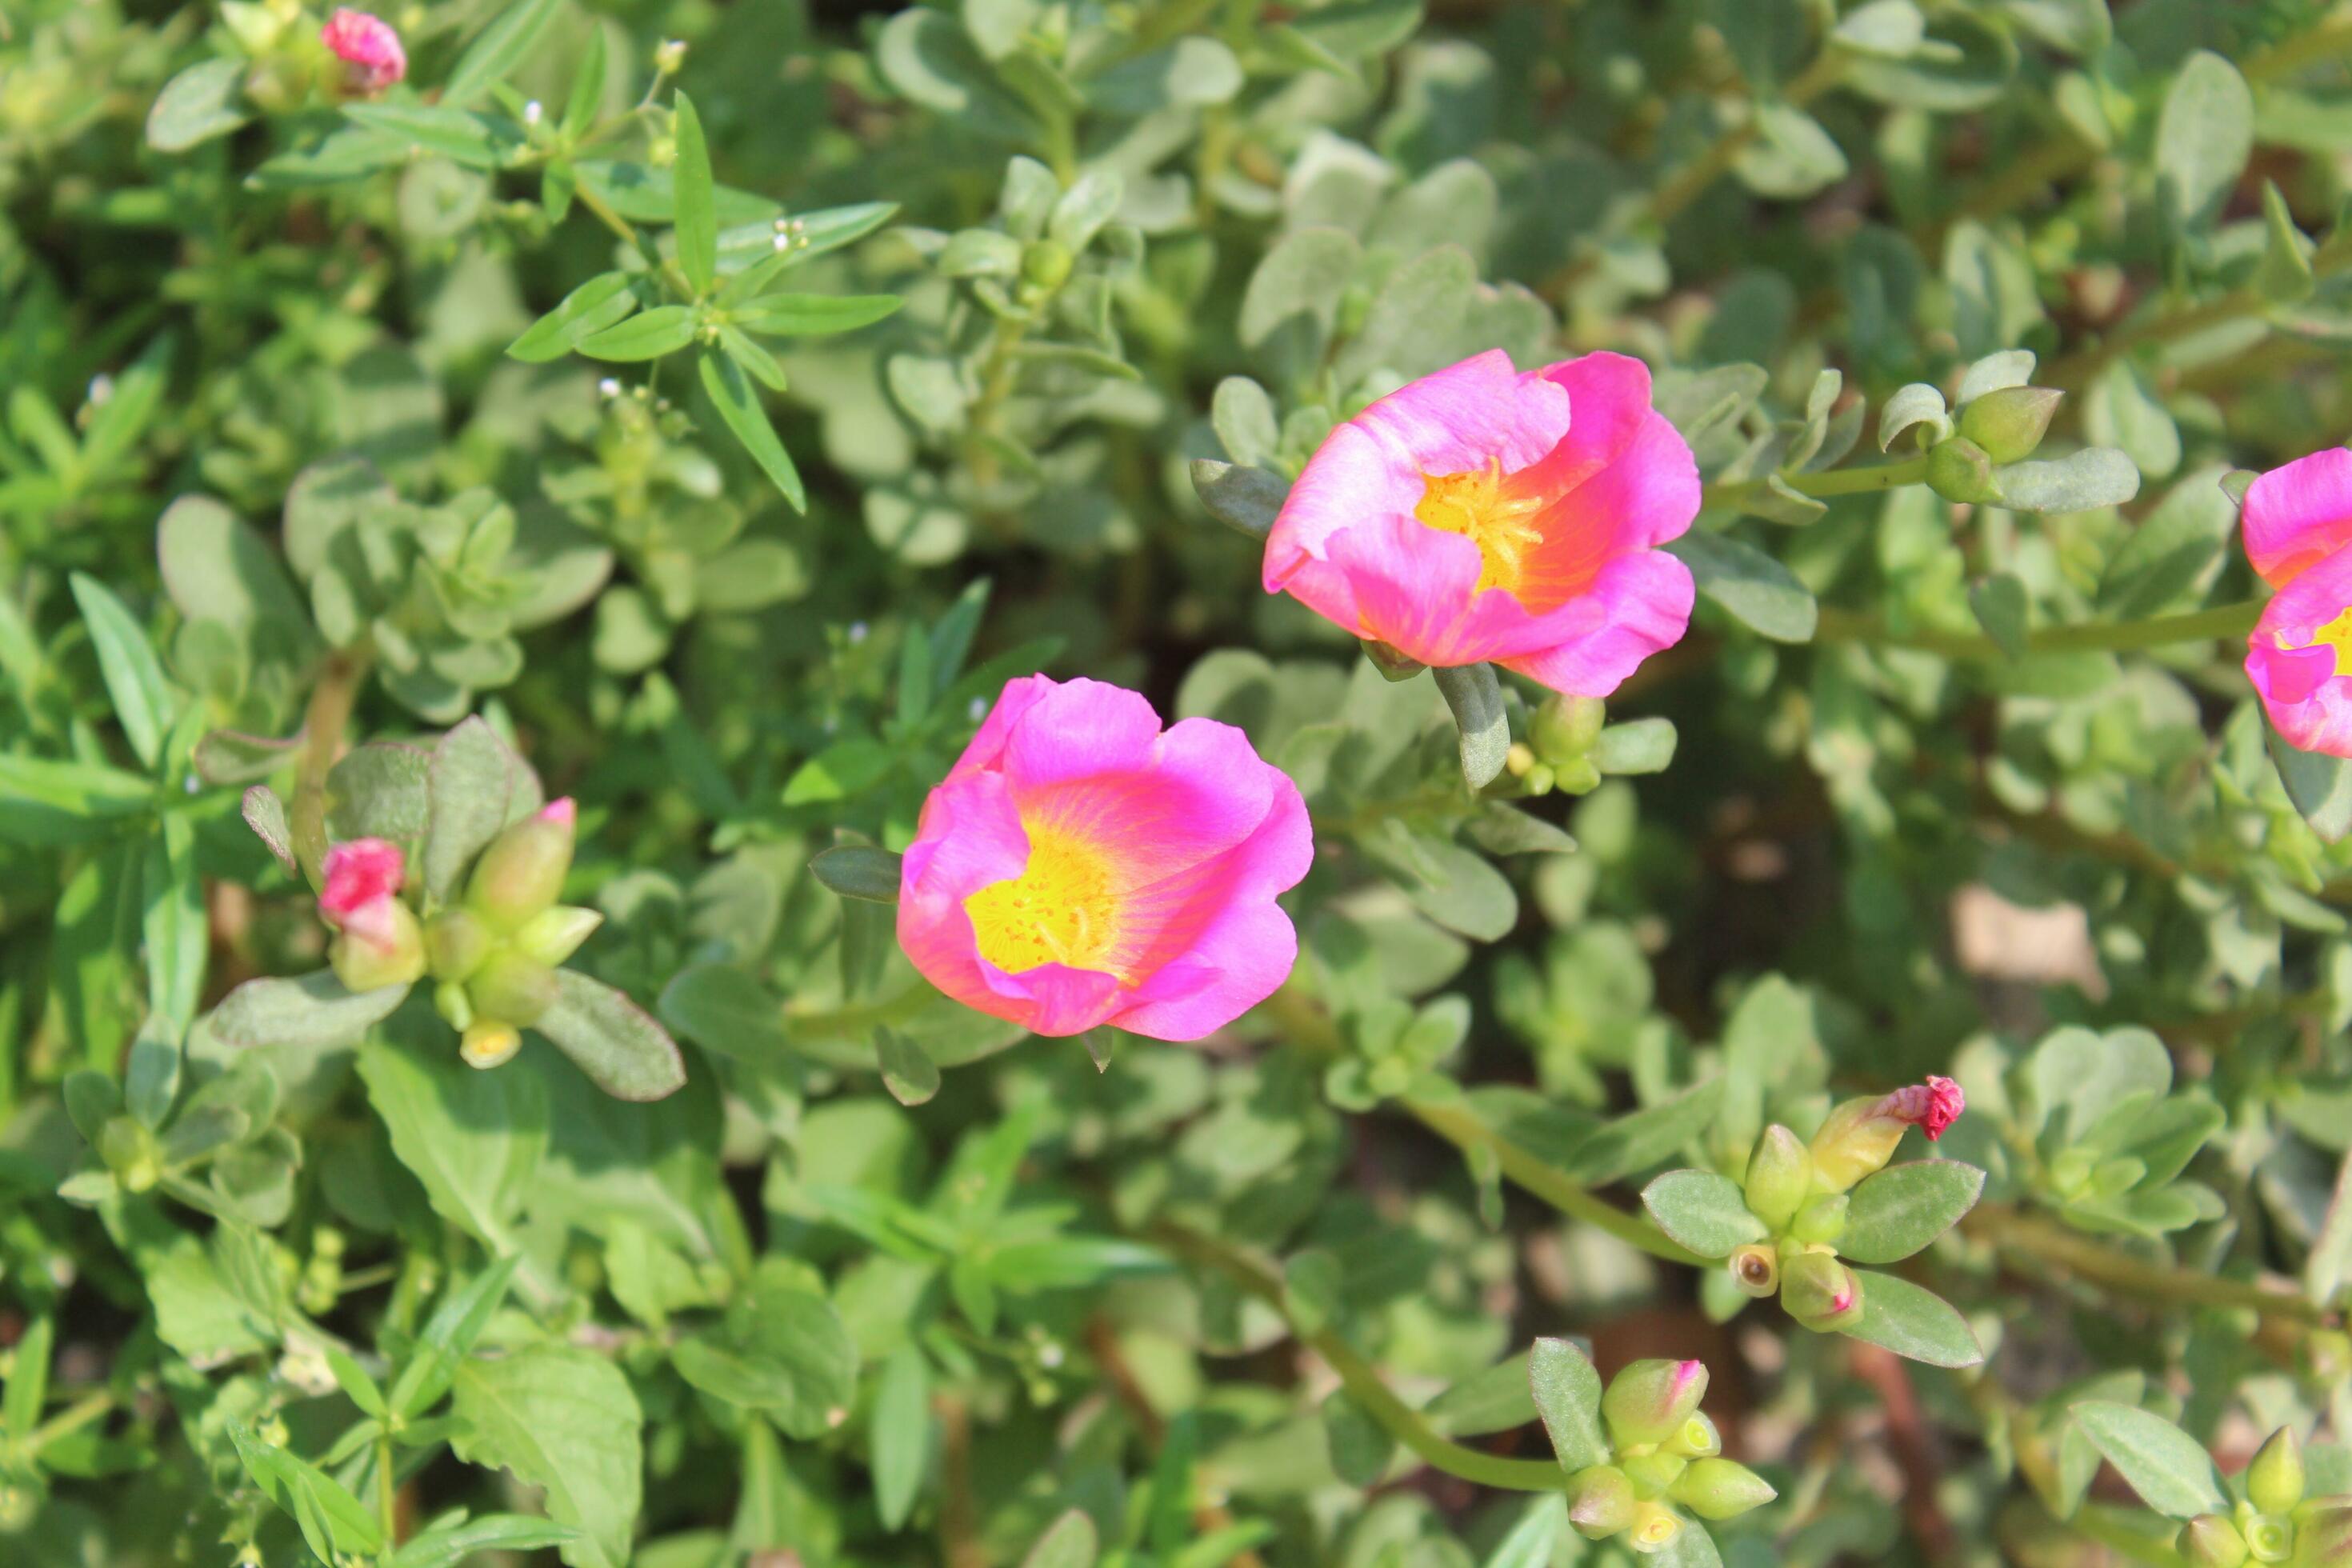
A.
x: 1481, y: 506
x: 1060, y: 909
x: 2335, y: 634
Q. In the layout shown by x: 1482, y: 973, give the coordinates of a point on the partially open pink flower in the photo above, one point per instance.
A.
x: 562, y: 811
x: 362, y: 879
x: 1077, y: 867
x: 2297, y: 523
x: 368, y: 46
x: 1481, y: 514
x: 1860, y: 1135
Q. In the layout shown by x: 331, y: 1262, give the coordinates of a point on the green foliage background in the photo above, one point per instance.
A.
x: 714, y: 429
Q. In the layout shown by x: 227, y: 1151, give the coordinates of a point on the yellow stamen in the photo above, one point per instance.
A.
x: 1060, y: 909
x: 2337, y: 634
x: 1481, y: 506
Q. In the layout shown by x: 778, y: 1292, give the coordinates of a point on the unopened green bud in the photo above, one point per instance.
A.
x: 1046, y: 263
x: 1654, y: 1527
x: 456, y: 1008
x: 1579, y: 775
x: 1859, y: 1136
x: 20, y: 1504
x: 523, y: 870
x: 1779, y: 1177
x: 555, y: 934
x: 1756, y: 1270
x: 1696, y: 1438
x: 2324, y: 1532
x: 489, y: 1042
x: 1720, y: 1488
x: 362, y: 964
x: 1564, y: 728
x: 1960, y: 470
x: 1541, y: 779
x: 1820, y: 1293
x: 1649, y: 1399
x: 2275, y: 1480
x: 2270, y: 1537
x: 129, y: 1151
x: 456, y: 942
x: 1652, y: 1473
x: 1600, y: 1502
x: 1820, y: 1221
x: 2009, y: 424
x: 512, y: 988
x: 2327, y: 1355
x: 2212, y: 1542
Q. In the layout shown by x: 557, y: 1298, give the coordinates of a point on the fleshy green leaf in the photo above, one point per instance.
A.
x: 566, y: 1421
x: 1476, y: 699
x: 2169, y: 1468
x: 313, y: 1010
x: 612, y: 1039
x: 1703, y: 1211
x: 1899, y: 1315
x: 1893, y: 1213
x: 1567, y: 1391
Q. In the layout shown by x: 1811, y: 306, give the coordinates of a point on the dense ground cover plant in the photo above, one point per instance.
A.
x: 1064, y: 783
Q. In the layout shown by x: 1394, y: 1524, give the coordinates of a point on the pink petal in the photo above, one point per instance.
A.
x: 1451, y: 421
x: 969, y: 838
x: 359, y: 872
x: 1077, y: 730
x: 2297, y: 515
x: 1608, y: 401
x: 987, y: 746
x: 2311, y: 717
x: 561, y: 811
x: 1199, y: 791
x: 1638, y: 605
x: 1643, y: 497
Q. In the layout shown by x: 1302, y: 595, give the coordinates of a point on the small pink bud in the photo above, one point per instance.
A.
x: 1931, y: 1107
x: 560, y: 811
x: 368, y: 46
x: 362, y: 883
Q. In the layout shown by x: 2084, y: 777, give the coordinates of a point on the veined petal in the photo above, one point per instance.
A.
x: 1638, y: 605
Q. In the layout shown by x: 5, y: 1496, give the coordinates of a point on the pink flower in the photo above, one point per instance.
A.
x: 1481, y: 513
x: 560, y: 811
x: 363, y: 887
x: 1077, y: 867
x: 2298, y: 519
x: 368, y: 46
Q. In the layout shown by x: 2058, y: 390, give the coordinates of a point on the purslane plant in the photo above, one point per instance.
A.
x: 1958, y: 776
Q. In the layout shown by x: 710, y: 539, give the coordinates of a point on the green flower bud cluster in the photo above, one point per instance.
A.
x: 1665, y: 1454
x: 2274, y: 1522
x: 494, y: 954
x: 1557, y: 754
x: 1996, y: 428
x: 1798, y: 1192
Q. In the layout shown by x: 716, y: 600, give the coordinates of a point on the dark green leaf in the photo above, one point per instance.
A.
x: 1703, y: 1211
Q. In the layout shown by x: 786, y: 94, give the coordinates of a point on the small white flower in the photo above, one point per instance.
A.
x: 533, y: 112
x: 101, y: 387
x: 609, y: 387
x: 858, y: 630
x: 977, y: 710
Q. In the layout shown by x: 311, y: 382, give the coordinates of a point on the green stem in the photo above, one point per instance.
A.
x: 1863, y: 480
x: 322, y: 740
x: 387, y: 1498
x: 2078, y: 370
x: 1460, y: 1128
x: 73, y: 1418
x: 627, y: 232
x: 2100, y: 1265
x: 1361, y: 1379
x: 1311, y: 1028
x: 2115, y: 636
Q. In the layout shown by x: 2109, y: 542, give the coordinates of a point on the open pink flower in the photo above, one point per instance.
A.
x: 2297, y: 523
x: 1482, y: 514
x: 363, y: 879
x: 1077, y: 867
x: 368, y: 46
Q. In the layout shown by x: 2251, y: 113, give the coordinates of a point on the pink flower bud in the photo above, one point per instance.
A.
x: 362, y: 884
x: 560, y: 811
x: 369, y: 46
x: 1860, y: 1135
